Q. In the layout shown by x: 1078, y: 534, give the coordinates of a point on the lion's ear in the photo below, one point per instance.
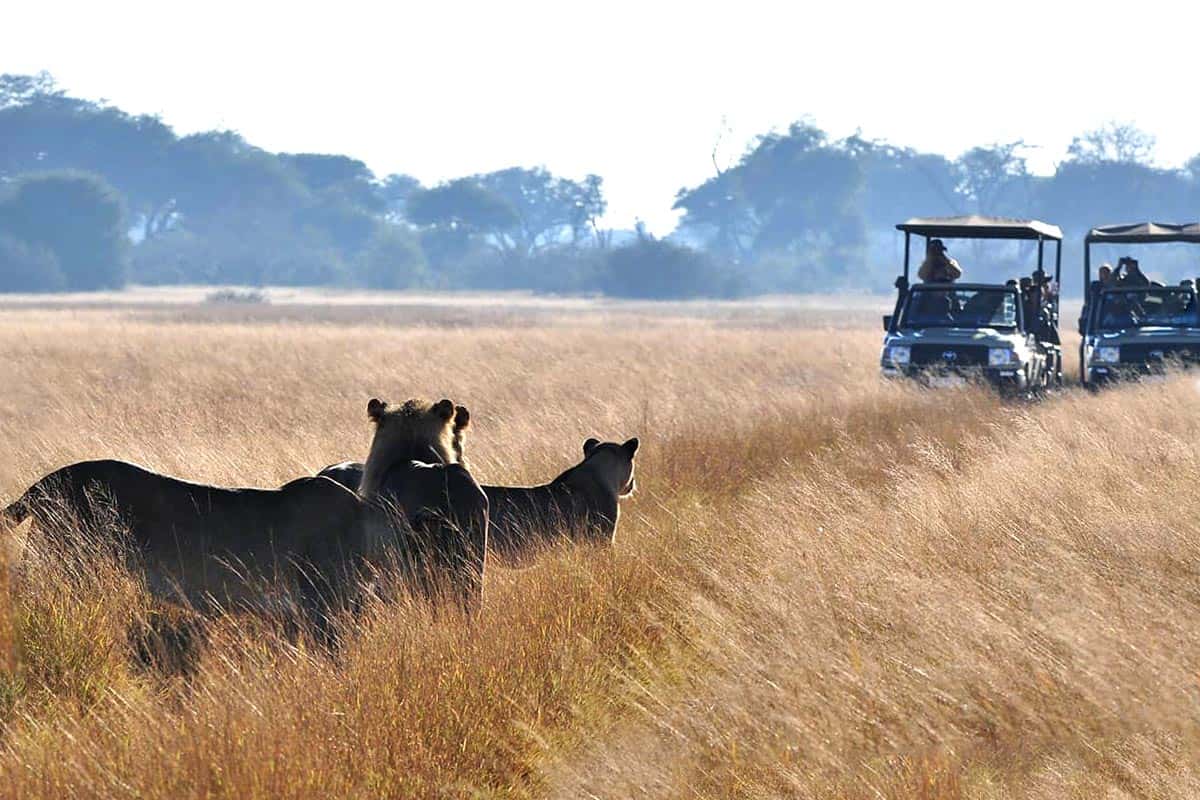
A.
x: 631, y: 446
x: 444, y: 409
x: 589, y: 446
x: 462, y: 418
x: 375, y: 408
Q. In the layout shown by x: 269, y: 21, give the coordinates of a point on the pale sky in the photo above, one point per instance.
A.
x: 638, y: 92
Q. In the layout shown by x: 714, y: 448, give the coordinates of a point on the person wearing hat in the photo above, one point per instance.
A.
x: 937, y: 266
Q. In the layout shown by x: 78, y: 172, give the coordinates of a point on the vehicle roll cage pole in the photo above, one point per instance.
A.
x: 1057, y: 279
x: 1087, y: 264
x: 1087, y: 292
x: 1089, y: 310
x: 902, y: 281
x: 1041, y: 270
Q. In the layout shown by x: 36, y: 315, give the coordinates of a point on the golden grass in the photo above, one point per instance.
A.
x: 826, y: 586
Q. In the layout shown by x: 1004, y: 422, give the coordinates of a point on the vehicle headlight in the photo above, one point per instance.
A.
x: 899, y: 354
x: 1106, y: 355
x: 1002, y: 357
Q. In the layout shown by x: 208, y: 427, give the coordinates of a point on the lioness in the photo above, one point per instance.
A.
x: 581, y: 504
x: 208, y: 546
x: 213, y: 547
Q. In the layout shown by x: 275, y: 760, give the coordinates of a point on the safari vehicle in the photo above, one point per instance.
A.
x: 946, y: 334
x: 1132, y: 331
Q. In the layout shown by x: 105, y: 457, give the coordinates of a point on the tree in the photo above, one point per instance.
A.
x: 339, y: 175
x: 794, y: 192
x: 1192, y: 168
x: 16, y: 90
x: 549, y: 210
x: 1114, y: 142
x: 458, y: 216
x: 1083, y: 194
x: 716, y: 213
x: 345, y: 202
x: 994, y: 179
x: 587, y: 205
x: 393, y: 259
x: 1108, y: 177
x: 462, y: 205
x: 458, y: 213
x: 222, y: 181
x: 76, y: 216
x: 801, y: 187
x: 395, y: 191
x: 43, y: 129
x: 899, y: 182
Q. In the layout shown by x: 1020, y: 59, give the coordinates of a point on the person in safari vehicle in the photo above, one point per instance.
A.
x: 1129, y: 273
x: 937, y: 266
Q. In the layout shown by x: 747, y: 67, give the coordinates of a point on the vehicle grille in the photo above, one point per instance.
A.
x: 949, y: 355
x: 1151, y: 353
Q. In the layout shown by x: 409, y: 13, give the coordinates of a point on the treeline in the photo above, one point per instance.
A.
x: 92, y: 197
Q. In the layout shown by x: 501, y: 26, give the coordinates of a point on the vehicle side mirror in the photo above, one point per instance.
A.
x: 887, y: 322
x: 1081, y: 326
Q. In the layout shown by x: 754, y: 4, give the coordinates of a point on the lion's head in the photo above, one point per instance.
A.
x: 414, y: 430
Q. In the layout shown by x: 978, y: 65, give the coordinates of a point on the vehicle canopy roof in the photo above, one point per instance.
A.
x: 979, y: 227
x: 959, y: 286
x: 1145, y: 232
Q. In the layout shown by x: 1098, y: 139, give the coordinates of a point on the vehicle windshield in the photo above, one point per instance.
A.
x: 960, y: 308
x: 1151, y: 307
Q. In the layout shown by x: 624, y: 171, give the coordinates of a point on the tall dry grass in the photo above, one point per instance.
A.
x: 826, y: 586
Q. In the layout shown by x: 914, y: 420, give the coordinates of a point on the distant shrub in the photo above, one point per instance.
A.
x: 237, y: 296
x: 565, y: 269
x: 561, y: 269
x: 655, y: 269
x: 28, y: 268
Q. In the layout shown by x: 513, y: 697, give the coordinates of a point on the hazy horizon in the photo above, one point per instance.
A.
x: 639, y: 95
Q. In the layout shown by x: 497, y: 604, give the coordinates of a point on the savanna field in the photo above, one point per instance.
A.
x: 826, y: 586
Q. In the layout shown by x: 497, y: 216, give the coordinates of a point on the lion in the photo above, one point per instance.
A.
x: 416, y: 469
x: 410, y: 431
x: 214, y: 548
x: 581, y: 504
